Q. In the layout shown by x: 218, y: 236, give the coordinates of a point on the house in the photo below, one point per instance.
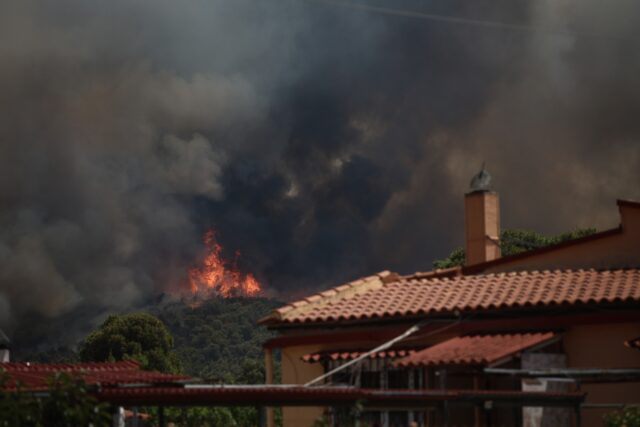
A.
x: 558, y: 320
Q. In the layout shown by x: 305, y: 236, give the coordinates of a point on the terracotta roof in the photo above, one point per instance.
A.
x: 428, y: 294
x: 479, y: 350
x: 35, y: 376
x: 333, y: 295
x: 352, y: 354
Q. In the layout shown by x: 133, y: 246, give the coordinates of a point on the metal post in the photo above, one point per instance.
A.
x: 477, y: 411
x: 268, y: 374
x: 578, y: 416
x: 443, y: 386
x: 411, y: 386
x: 118, y: 417
x: 384, y: 385
x: 261, y: 416
x: 161, y: 416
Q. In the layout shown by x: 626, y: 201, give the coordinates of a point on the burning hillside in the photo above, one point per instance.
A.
x: 217, y: 276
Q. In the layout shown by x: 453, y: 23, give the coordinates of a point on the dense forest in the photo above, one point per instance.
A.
x: 217, y: 339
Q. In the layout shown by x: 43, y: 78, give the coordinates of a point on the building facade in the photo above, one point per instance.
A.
x: 556, y: 320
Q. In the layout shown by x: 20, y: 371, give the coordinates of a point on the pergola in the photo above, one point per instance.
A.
x: 124, y: 384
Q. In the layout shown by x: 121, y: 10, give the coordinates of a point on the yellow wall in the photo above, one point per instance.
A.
x: 601, y: 346
x: 295, y: 371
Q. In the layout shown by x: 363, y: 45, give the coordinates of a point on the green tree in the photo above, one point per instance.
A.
x: 68, y: 403
x: 629, y: 417
x: 514, y: 242
x: 136, y: 336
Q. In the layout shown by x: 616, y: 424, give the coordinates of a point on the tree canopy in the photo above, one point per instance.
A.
x: 136, y: 336
x: 516, y: 241
x: 67, y: 404
x: 218, y: 339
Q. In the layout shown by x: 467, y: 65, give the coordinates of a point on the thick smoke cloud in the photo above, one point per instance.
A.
x: 322, y: 142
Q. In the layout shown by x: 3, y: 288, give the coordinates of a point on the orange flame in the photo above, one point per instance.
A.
x: 215, y: 276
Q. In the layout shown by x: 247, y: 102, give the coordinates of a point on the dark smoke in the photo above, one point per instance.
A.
x: 322, y: 142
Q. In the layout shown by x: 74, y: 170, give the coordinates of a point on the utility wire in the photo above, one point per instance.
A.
x: 464, y: 21
x: 415, y: 328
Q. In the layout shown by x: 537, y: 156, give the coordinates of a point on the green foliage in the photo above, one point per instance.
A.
x: 218, y: 340
x: 200, y: 416
x: 629, y: 417
x: 343, y: 416
x: 454, y: 259
x: 67, y: 404
x: 59, y: 354
x: 518, y: 241
x: 514, y: 242
x: 136, y: 336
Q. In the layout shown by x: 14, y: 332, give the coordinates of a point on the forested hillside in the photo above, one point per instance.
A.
x: 218, y: 339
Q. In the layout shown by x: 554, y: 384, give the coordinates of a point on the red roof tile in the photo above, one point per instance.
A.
x: 423, y: 295
x: 475, y: 350
x: 35, y: 376
x: 353, y: 354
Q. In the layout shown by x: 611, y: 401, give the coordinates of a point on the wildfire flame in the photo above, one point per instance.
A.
x: 218, y: 277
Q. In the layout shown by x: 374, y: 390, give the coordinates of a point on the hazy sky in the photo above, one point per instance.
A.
x: 322, y: 142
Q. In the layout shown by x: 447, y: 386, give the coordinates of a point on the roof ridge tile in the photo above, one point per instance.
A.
x: 331, y: 295
x: 371, y: 297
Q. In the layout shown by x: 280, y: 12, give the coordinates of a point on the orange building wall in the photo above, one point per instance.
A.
x: 601, y: 346
x: 586, y: 346
x: 615, y: 251
x: 295, y: 371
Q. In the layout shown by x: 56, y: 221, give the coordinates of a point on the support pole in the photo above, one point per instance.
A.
x: 268, y: 379
x: 477, y: 410
x: 261, y: 416
x: 118, y: 416
x: 161, y: 416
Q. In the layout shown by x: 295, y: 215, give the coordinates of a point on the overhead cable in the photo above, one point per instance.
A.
x: 464, y: 21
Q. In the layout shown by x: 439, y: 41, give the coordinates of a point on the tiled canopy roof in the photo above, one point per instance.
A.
x: 35, y: 376
x: 286, y: 395
x: 387, y: 295
x: 480, y: 350
x: 352, y: 354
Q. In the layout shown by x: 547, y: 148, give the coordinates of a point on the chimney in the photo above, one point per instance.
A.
x: 482, y: 221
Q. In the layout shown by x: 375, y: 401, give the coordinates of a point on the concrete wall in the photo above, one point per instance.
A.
x: 601, y: 346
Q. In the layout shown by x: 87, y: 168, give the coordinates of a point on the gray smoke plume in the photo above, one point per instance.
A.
x: 321, y: 141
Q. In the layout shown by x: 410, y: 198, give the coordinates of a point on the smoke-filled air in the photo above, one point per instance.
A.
x: 292, y: 144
